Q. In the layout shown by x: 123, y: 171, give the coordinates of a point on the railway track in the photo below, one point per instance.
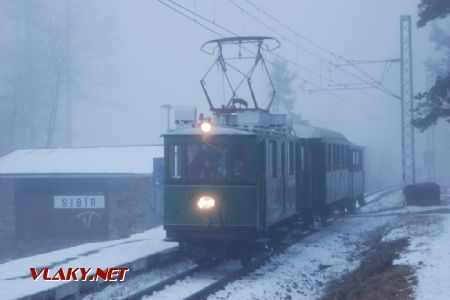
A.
x: 164, y: 283
x: 210, y: 278
x: 382, y: 193
x: 443, y: 210
x: 88, y: 290
x: 399, y: 210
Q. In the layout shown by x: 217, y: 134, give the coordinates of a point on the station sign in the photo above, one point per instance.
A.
x: 79, y: 202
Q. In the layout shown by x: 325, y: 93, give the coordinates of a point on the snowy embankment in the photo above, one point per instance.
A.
x: 429, y: 250
x: 305, y: 269
x: 428, y: 254
x: 16, y: 280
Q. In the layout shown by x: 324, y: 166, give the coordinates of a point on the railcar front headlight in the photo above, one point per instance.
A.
x: 206, y: 202
x: 206, y: 127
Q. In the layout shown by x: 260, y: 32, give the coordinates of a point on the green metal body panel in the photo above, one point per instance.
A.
x: 237, y: 201
x: 280, y: 191
x: 236, y: 206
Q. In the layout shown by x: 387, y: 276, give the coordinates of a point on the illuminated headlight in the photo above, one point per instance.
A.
x: 206, y: 202
x: 206, y: 127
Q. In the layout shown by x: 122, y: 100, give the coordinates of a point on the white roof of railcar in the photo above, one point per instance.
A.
x: 308, y: 132
x: 216, y: 130
x: 133, y: 160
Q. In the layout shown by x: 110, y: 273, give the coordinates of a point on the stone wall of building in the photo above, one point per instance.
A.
x: 7, y: 211
x: 132, y: 205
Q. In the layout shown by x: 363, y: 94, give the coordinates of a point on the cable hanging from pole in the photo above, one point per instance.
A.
x: 196, y: 17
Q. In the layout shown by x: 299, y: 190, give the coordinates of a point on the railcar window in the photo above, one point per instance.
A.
x: 174, y: 161
x: 240, y: 161
x: 274, y: 158
x: 207, y: 161
x: 291, y: 158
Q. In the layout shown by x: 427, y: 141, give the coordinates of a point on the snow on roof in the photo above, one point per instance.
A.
x: 303, y: 131
x: 70, y: 161
x: 217, y: 130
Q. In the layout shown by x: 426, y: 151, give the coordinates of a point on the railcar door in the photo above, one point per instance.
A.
x: 306, y: 178
x: 263, y: 183
x: 274, y: 189
x: 283, y: 176
x: 290, y: 180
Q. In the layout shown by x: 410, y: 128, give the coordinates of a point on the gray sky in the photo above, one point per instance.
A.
x: 156, y: 58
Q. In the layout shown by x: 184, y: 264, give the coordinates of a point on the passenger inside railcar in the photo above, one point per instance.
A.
x: 206, y: 161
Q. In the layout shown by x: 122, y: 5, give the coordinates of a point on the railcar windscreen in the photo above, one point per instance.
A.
x: 240, y: 161
x: 207, y: 161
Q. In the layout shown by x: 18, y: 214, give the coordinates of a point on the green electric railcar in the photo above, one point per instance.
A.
x: 227, y: 185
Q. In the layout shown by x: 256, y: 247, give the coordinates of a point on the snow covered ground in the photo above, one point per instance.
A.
x: 16, y: 280
x: 301, y: 272
x: 304, y: 270
x: 306, y: 267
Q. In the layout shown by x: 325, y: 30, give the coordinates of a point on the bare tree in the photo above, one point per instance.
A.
x: 284, y: 82
x: 47, y: 48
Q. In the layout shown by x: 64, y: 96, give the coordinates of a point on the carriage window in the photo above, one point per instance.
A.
x: 207, y: 161
x: 273, y: 157
x: 346, y: 154
x: 330, y: 157
x: 338, y: 156
x: 346, y: 164
x: 357, y: 160
x: 360, y: 161
x: 174, y: 161
x: 302, y: 158
x: 335, y: 157
x: 291, y: 158
x: 240, y: 161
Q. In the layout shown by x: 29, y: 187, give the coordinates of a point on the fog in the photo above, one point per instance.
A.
x: 138, y: 55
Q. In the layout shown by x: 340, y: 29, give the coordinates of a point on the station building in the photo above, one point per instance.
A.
x: 87, y: 194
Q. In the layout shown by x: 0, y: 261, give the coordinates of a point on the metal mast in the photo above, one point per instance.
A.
x: 406, y: 73
x: 430, y: 160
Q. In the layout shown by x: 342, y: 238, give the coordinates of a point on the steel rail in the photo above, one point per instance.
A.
x: 254, y: 265
x: 156, y: 260
x: 162, y: 284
